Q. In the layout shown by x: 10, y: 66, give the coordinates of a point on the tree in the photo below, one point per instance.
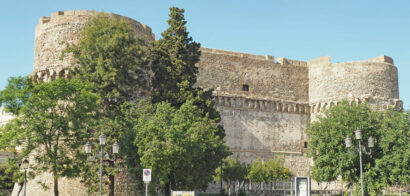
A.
x: 233, y: 172
x: 111, y: 58
x: 256, y: 173
x: 54, y: 119
x: 274, y: 171
x: 9, y: 174
x: 180, y: 145
x: 394, y: 166
x: 268, y: 171
x: 332, y: 158
x: 15, y: 94
x: 173, y: 63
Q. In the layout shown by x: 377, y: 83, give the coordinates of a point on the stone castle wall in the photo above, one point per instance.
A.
x: 267, y: 119
x: 226, y: 72
x: 265, y: 105
x: 61, y: 28
x: 374, y: 78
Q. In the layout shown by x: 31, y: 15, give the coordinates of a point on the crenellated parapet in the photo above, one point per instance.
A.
x: 261, y: 105
x: 53, y: 33
x: 50, y: 74
x: 377, y: 102
x: 374, y: 81
x: 238, y: 54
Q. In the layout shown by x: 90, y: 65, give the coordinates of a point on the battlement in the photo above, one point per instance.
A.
x: 381, y: 59
x: 325, y: 60
x: 238, y: 54
x: 60, y: 14
x: 285, y: 61
x: 63, y: 27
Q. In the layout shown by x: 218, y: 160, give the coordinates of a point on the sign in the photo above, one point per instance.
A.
x: 146, y: 175
x: 302, y: 186
x: 182, y: 193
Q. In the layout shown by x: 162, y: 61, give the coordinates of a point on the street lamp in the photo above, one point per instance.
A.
x: 25, y: 166
x: 102, y: 154
x: 370, y: 143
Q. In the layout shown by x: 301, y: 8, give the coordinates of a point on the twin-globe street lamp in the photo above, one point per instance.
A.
x: 370, y: 144
x: 102, y: 154
x: 25, y: 166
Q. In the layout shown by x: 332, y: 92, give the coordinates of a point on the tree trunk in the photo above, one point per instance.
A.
x: 167, y: 190
x: 112, y: 185
x: 21, y: 188
x: 55, y: 186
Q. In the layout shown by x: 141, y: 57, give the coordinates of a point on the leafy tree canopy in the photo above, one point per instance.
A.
x: 15, y: 94
x: 55, y: 117
x: 180, y: 145
x: 387, y: 164
x: 112, y: 58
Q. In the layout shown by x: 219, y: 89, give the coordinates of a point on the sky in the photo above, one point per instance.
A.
x: 347, y: 30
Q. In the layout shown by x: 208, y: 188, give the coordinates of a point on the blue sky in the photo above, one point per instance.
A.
x: 345, y: 30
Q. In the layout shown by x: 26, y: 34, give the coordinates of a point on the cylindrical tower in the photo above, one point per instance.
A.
x: 373, y: 80
x: 62, y: 27
x: 51, y: 36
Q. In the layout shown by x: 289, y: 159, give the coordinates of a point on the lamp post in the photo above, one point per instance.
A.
x: 370, y: 143
x: 102, y: 154
x: 25, y: 166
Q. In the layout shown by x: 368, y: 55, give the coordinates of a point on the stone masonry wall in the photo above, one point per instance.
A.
x: 269, y: 118
x: 61, y: 28
x: 226, y: 72
x: 371, y: 79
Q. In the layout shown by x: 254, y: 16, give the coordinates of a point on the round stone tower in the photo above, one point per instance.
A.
x: 51, y: 36
x: 62, y: 27
x: 374, y: 81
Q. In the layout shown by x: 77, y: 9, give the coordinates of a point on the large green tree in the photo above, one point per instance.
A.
x: 52, y: 124
x: 182, y: 147
x: 393, y: 168
x: 333, y: 159
x: 110, y: 57
x: 174, y: 57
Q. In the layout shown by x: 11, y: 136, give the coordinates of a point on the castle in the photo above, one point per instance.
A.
x: 265, y: 103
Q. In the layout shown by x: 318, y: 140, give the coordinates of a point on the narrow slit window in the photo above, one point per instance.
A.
x: 305, y: 144
x: 245, y: 87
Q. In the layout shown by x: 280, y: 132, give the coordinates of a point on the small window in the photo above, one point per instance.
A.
x: 245, y: 87
x: 305, y: 144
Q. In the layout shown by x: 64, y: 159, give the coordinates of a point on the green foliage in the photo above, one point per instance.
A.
x: 180, y: 145
x: 56, y: 117
x: 271, y: 170
x: 111, y: 58
x: 388, y: 164
x: 257, y: 173
x: 15, y: 94
x: 10, y: 174
x: 274, y: 170
x: 174, y: 57
x: 394, y: 143
x: 173, y: 63
x: 6, y: 181
x: 232, y: 172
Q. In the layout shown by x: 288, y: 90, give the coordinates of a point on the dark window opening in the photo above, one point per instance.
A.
x: 305, y: 144
x: 245, y: 87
